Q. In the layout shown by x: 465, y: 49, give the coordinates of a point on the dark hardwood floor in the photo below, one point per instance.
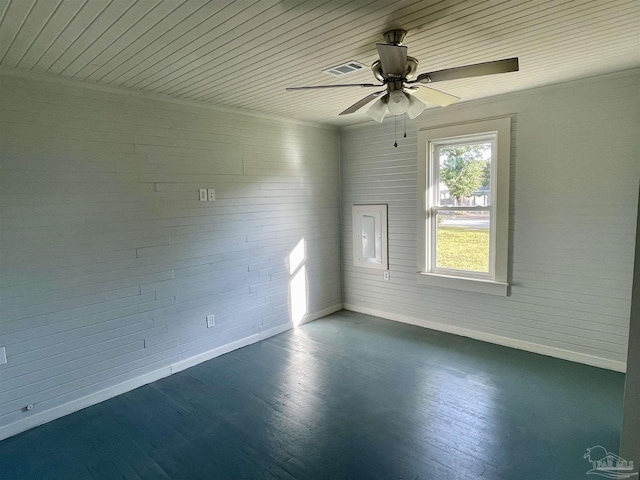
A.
x: 346, y: 397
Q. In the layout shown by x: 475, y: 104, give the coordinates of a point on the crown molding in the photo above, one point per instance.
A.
x: 506, y: 96
x: 47, y: 78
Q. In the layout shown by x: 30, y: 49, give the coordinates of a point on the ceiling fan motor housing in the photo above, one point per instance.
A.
x: 410, y: 71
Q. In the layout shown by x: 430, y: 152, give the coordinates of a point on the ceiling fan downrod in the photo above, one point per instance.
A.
x: 395, y: 37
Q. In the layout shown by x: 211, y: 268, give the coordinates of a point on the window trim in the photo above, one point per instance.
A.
x: 501, y: 127
x: 435, y: 207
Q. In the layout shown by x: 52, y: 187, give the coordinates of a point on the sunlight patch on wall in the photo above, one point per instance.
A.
x: 298, y: 290
x: 296, y: 257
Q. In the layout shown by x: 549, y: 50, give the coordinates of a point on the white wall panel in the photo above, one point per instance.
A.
x: 110, y: 263
x: 575, y: 171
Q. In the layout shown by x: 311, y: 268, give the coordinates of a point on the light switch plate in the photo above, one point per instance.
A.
x: 212, y: 194
x: 211, y: 321
x: 3, y: 356
x: 203, y: 194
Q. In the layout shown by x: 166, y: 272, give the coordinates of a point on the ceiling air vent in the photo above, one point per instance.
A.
x: 344, y: 69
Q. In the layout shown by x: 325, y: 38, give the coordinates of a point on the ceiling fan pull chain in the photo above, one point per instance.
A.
x: 395, y: 131
x: 405, y: 125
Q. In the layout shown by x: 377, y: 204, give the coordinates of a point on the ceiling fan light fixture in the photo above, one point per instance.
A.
x: 416, y: 107
x: 398, y: 102
x: 378, y: 110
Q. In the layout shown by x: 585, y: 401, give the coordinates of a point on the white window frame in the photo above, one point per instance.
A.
x: 495, y: 282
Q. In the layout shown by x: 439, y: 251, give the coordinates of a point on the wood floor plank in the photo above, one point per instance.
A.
x: 347, y: 396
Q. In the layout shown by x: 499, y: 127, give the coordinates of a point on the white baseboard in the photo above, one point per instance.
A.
x: 216, y: 352
x: 322, y: 313
x: 46, y: 416
x: 497, y: 339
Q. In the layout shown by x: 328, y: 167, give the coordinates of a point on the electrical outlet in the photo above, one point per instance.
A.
x: 203, y: 194
x: 212, y: 194
x: 211, y: 321
x: 385, y: 275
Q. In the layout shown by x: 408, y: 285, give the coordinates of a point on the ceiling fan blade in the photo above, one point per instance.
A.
x: 362, y: 102
x: 290, y: 89
x: 431, y: 95
x: 393, y: 59
x: 477, y: 70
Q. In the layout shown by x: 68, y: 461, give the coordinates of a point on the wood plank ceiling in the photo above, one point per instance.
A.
x: 242, y: 54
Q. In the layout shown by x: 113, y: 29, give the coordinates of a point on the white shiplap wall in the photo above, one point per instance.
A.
x: 575, y: 166
x: 110, y: 263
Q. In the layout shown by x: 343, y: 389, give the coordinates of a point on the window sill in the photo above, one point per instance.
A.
x: 466, y: 284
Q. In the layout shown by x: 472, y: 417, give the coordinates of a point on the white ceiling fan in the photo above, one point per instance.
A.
x: 395, y: 70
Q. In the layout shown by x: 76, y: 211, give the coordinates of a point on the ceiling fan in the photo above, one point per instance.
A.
x: 395, y: 70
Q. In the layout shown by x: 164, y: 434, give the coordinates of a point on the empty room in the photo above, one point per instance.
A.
x: 319, y: 239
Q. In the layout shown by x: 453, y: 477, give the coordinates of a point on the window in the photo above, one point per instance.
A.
x: 464, y: 194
